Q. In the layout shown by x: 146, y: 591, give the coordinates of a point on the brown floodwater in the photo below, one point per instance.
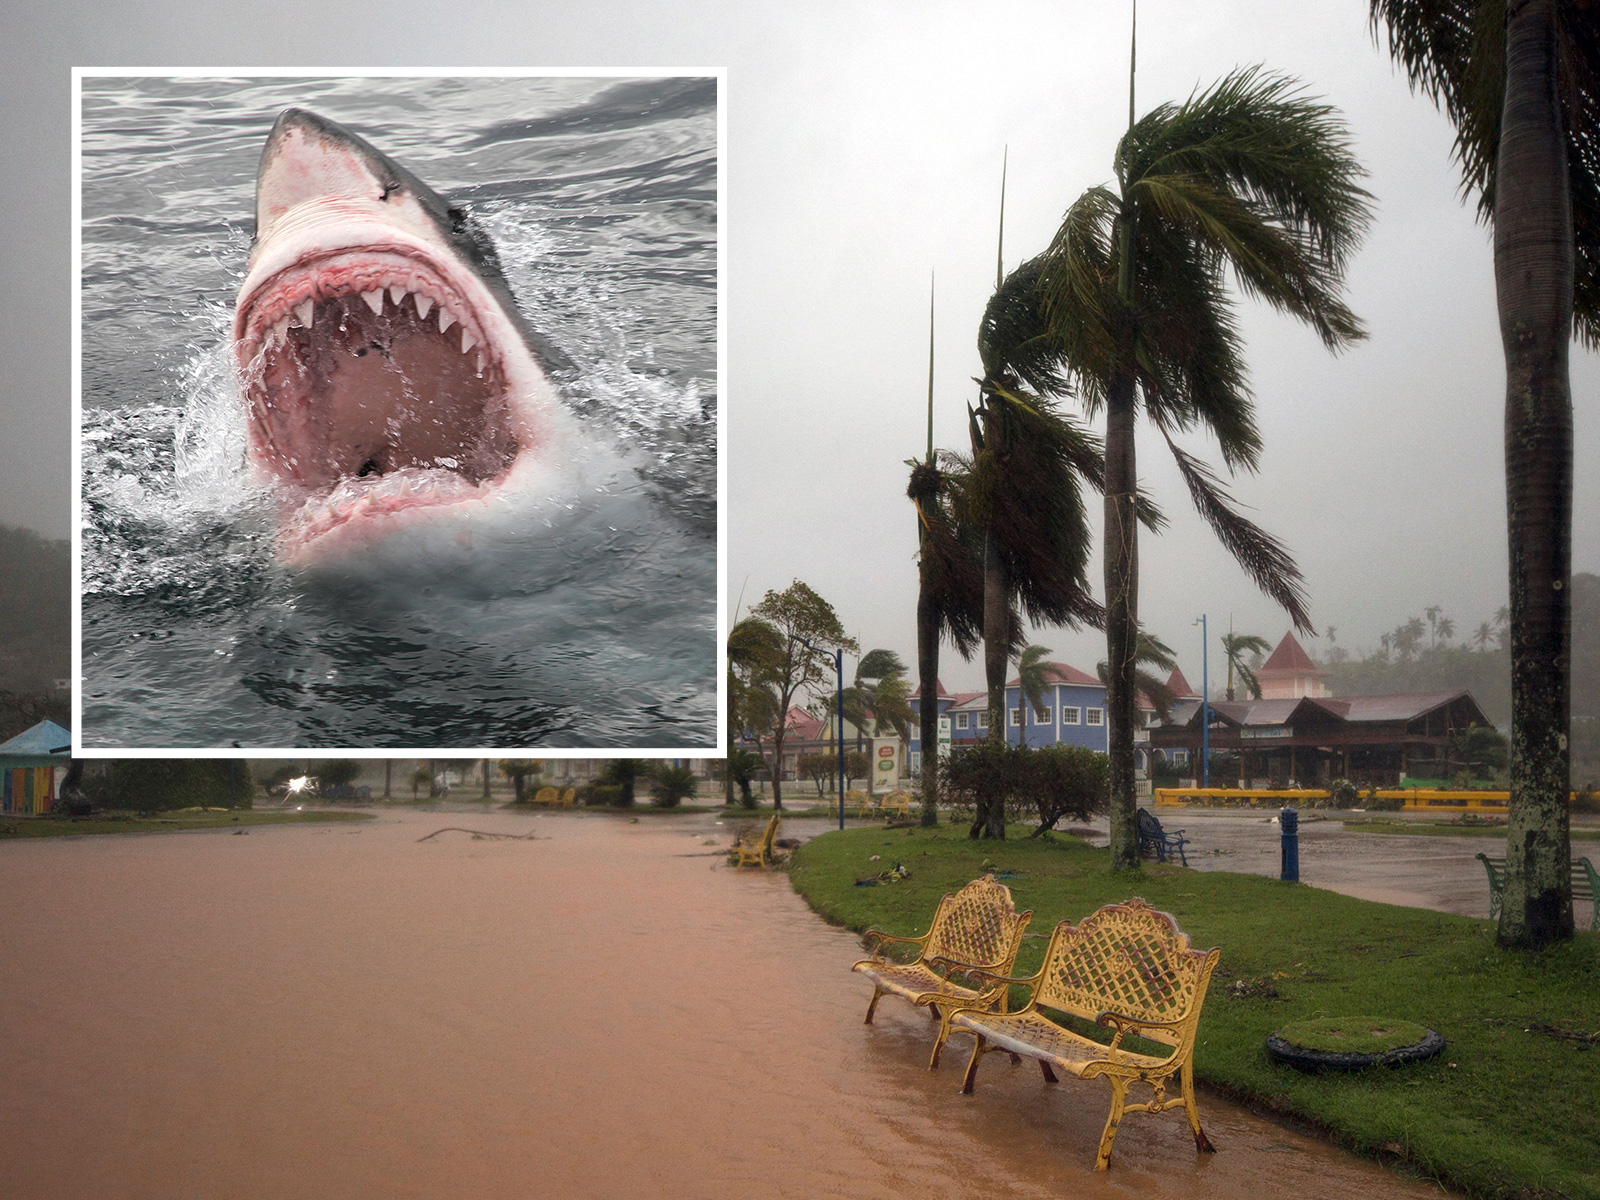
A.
x: 348, y: 1012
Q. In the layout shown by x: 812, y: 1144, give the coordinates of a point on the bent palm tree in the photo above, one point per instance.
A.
x: 1520, y: 80
x: 1033, y: 676
x: 1249, y: 175
x: 1235, y: 646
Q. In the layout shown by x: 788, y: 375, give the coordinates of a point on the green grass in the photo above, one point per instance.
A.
x: 1511, y: 1108
x: 1433, y: 829
x: 166, y: 822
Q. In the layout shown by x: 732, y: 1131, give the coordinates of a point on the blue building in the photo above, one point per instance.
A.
x: 1073, y: 714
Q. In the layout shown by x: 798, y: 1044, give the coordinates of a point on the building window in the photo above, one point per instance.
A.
x: 1069, y: 716
x: 1094, y: 716
x: 961, y: 720
x: 1180, y: 758
x: 1016, y: 717
x: 1041, y: 716
x: 983, y: 720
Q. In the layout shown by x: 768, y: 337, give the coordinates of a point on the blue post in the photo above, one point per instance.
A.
x: 1205, y: 705
x: 838, y: 666
x: 1289, y: 827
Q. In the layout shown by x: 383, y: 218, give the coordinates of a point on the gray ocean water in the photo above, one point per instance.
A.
x: 585, y: 616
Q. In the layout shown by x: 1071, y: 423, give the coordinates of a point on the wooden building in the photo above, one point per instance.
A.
x: 28, y: 764
x: 1314, y: 739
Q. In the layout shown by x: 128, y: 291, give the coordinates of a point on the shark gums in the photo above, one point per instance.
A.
x: 388, y: 375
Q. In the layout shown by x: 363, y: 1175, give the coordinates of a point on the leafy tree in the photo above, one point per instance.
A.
x: 809, y: 629
x: 422, y: 775
x: 623, y: 773
x: 754, y: 651
x: 1520, y: 80
x: 1250, y: 175
x: 1235, y: 646
x: 337, y: 772
x: 160, y: 784
x: 741, y: 766
x: 517, y: 770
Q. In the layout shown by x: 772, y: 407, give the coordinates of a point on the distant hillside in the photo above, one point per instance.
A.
x: 35, y: 611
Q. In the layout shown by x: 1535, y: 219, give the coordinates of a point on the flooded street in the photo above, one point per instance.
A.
x: 345, y: 1011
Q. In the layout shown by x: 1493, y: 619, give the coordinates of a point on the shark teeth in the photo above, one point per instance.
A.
x: 424, y: 303
x: 396, y: 293
x: 446, y: 318
x: 374, y: 300
x: 306, y: 311
x: 467, y: 340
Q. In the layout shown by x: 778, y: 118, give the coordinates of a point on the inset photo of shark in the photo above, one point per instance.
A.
x: 398, y: 411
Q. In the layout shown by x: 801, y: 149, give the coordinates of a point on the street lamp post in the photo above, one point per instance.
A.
x: 838, y: 667
x: 1205, y: 705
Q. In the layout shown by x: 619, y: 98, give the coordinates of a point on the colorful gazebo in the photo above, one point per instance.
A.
x: 28, y: 765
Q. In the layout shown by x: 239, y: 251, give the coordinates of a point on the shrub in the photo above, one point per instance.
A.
x: 1373, y: 802
x: 671, y: 785
x: 1343, y: 794
x: 1048, y: 783
x: 607, y: 795
x: 158, y: 784
x: 337, y: 772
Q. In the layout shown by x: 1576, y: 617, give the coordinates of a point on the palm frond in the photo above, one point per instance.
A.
x: 1263, y: 557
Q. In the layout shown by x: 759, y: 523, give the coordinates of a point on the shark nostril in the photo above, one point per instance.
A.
x: 370, y: 467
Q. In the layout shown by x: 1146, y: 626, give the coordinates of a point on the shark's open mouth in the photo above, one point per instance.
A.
x: 372, y: 381
x: 386, y: 371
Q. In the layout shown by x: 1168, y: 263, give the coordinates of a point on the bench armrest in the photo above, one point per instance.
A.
x: 890, y: 937
x: 1123, y: 1023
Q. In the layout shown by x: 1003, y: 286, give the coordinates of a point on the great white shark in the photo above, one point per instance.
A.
x: 387, y: 373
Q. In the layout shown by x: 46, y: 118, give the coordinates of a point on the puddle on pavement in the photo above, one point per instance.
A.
x: 339, y: 1011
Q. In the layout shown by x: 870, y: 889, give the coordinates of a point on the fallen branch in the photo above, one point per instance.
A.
x: 479, y: 833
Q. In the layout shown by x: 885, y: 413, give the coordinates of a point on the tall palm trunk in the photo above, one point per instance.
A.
x: 928, y: 678
x: 1533, y: 259
x: 1122, y: 619
x: 990, y: 819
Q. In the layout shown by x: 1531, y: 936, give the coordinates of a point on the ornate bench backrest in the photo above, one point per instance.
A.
x: 978, y: 925
x: 1127, y: 958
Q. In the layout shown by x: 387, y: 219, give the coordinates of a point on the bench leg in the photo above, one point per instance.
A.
x: 938, y: 1043
x: 1119, y: 1095
x: 873, y: 1007
x: 1202, y: 1144
x: 972, y: 1067
x: 1049, y: 1075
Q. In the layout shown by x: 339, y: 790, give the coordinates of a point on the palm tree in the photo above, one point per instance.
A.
x: 1482, y: 638
x: 1023, y: 489
x: 1235, y: 646
x: 1033, y: 676
x: 1153, y: 653
x: 861, y: 697
x: 1520, y: 81
x: 1250, y: 175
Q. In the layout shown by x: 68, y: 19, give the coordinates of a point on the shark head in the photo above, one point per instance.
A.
x: 387, y: 373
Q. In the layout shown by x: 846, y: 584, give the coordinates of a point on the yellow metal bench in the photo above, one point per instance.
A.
x: 977, y: 927
x: 568, y: 798
x: 756, y: 850
x: 864, y: 804
x: 1128, y: 968
x: 546, y: 795
x: 896, y: 802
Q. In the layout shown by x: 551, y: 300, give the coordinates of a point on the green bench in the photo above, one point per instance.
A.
x: 1585, y: 886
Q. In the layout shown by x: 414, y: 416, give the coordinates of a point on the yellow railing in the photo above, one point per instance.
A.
x: 1415, y: 799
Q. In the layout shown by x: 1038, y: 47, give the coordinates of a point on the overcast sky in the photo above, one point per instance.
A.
x: 864, y: 151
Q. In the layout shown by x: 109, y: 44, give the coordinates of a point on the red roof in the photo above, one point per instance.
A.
x: 1179, y: 686
x: 917, y: 694
x: 803, y: 723
x: 1289, y: 658
x: 1061, y: 674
